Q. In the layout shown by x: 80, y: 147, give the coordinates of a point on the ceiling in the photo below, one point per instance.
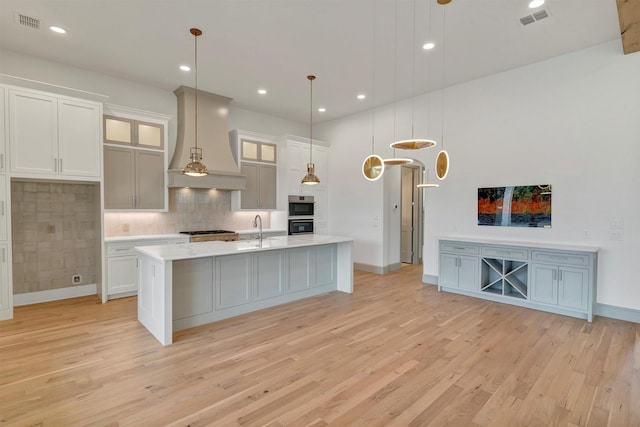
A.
x: 275, y: 44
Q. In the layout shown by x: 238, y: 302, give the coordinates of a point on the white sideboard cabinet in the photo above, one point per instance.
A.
x: 555, y: 278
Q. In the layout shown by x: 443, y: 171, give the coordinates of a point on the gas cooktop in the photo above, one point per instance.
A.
x: 197, y: 233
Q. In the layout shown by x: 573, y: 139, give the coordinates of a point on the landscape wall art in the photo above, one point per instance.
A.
x: 518, y: 206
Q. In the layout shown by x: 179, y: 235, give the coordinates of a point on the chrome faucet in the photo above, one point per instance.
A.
x: 255, y: 224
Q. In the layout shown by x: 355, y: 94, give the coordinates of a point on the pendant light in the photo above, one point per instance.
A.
x: 373, y: 165
x: 195, y: 166
x: 394, y: 161
x: 442, y: 161
x: 427, y: 184
x: 413, y: 143
x: 310, y: 178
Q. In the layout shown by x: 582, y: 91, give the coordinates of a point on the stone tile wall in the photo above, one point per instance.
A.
x: 56, y: 233
x: 189, y: 209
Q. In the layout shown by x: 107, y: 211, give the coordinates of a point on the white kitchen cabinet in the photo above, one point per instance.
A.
x: 6, y: 298
x: 54, y: 137
x: 122, y: 263
x: 4, y: 208
x: 3, y: 128
x: 554, y: 278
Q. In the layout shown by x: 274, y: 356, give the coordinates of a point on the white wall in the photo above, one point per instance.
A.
x: 130, y: 94
x: 572, y: 121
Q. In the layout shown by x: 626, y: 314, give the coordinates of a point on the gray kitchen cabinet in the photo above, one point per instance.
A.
x: 120, y: 130
x: 53, y: 136
x: 563, y: 281
x: 268, y: 274
x: 459, y: 266
x: 555, y: 278
x: 232, y: 280
x: 261, y: 186
x: 135, y: 168
x: 133, y: 179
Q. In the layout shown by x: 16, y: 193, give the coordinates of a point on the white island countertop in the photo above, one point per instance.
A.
x: 217, y: 248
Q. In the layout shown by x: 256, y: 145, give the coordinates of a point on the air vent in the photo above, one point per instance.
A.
x: 28, y: 21
x: 526, y: 20
x: 537, y: 16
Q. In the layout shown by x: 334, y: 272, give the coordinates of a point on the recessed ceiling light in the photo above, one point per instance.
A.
x: 535, y: 3
x: 262, y: 91
x: 428, y: 46
x: 57, y: 29
x: 185, y: 68
x: 362, y: 96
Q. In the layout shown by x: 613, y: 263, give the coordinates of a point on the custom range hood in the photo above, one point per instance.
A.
x: 213, y: 138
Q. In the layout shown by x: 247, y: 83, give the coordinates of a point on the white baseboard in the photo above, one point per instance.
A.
x: 54, y: 295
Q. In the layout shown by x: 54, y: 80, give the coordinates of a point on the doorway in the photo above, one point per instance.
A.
x: 411, y: 215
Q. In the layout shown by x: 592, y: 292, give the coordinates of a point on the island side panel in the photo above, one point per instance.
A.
x: 155, y: 295
x: 345, y: 267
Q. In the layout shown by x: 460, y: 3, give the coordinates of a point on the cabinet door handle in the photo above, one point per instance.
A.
x: 1, y: 161
x: 4, y: 255
x: 2, y: 208
x: 554, y: 274
x: 55, y: 165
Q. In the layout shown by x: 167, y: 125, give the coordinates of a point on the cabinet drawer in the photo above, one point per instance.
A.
x: 128, y: 248
x: 561, y: 258
x: 459, y: 248
x: 120, y: 249
x: 505, y: 252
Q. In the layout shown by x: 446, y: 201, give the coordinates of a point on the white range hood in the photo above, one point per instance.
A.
x: 213, y: 138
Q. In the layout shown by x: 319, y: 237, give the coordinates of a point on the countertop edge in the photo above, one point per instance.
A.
x: 523, y: 243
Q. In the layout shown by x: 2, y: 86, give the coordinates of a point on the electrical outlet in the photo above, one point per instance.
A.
x: 125, y: 227
x: 586, y: 234
x: 76, y: 279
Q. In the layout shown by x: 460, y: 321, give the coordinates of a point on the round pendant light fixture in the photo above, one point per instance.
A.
x: 310, y: 178
x: 413, y: 144
x: 195, y: 167
x: 395, y: 161
x: 373, y: 167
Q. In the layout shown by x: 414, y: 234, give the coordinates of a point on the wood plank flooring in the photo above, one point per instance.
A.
x: 395, y: 353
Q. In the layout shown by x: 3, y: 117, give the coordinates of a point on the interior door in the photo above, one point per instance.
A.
x: 407, y: 215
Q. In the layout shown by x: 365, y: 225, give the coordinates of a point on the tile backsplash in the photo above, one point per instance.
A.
x: 56, y: 234
x: 189, y: 209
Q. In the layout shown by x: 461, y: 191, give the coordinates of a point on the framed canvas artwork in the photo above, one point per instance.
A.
x: 518, y: 206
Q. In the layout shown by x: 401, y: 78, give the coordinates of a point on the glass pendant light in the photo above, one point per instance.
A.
x: 427, y: 184
x: 310, y: 178
x: 195, y: 166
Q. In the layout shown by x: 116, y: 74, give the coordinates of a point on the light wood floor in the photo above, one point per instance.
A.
x: 396, y: 352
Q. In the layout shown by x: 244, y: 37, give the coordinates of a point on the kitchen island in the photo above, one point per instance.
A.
x: 191, y: 284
